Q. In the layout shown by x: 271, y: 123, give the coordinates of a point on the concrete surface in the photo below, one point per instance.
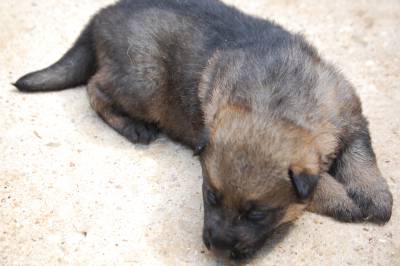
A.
x: 73, y: 192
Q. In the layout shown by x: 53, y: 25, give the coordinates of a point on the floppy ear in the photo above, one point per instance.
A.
x: 303, y: 183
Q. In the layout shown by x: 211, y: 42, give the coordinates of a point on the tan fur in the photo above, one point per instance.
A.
x: 276, y: 127
x: 293, y: 212
x: 251, y: 148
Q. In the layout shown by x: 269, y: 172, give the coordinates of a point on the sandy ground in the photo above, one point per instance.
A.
x: 73, y: 192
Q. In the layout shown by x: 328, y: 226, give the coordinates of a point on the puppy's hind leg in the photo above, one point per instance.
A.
x: 134, y: 130
x: 330, y: 198
x: 357, y: 170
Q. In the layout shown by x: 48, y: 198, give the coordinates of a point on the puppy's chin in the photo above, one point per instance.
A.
x: 234, y: 254
x: 242, y: 250
x: 240, y: 255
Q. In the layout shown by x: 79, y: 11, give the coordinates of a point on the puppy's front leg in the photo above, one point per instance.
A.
x: 330, y: 198
x: 357, y: 170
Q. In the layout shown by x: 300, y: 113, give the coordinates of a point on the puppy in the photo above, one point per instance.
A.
x: 277, y: 128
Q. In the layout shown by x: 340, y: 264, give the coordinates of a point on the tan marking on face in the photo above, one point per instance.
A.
x: 240, y: 108
x: 275, y: 194
x: 215, y: 182
x: 309, y: 169
x: 293, y: 212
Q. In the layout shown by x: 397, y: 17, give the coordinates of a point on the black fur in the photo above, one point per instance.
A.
x: 73, y: 69
x: 184, y: 33
x: 195, y: 69
x: 304, y: 184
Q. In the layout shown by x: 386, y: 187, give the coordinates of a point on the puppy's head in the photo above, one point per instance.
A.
x: 265, y: 148
x: 249, y: 191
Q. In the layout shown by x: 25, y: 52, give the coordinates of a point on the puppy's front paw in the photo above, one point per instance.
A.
x: 375, y: 203
x: 331, y: 199
x: 347, y: 214
x: 339, y: 207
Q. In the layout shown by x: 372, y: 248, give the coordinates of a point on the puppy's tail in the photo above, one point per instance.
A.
x: 73, y: 69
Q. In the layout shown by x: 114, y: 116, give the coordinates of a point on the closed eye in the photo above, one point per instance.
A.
x: 256, y: 215
x: 211, y: 198
x: 261, y: 214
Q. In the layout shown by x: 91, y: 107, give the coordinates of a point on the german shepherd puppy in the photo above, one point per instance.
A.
x: 277, y: 128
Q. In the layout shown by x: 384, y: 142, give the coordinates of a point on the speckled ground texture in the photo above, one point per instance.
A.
x: 74, y: 192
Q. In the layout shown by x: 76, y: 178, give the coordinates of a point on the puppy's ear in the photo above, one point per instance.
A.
x: 304, y: 183
x: 201, y: 143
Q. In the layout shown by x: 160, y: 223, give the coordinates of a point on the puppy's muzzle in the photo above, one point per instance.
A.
x: 219, y: 242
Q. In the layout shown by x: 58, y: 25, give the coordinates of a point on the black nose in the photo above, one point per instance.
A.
x: 216, y: 239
